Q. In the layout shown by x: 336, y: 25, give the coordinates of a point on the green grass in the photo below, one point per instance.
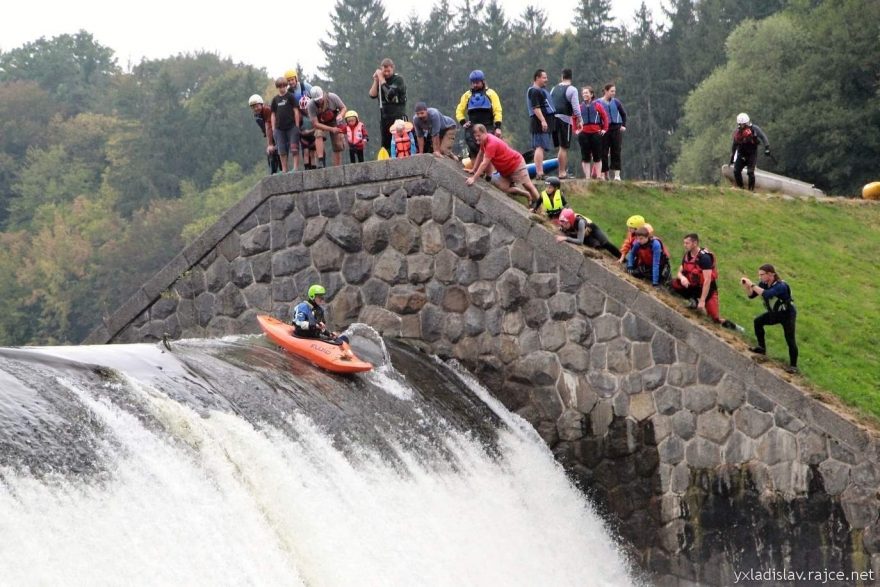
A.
x: 829, y: 254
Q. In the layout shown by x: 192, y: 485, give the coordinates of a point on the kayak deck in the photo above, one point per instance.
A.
x: 337, y: 358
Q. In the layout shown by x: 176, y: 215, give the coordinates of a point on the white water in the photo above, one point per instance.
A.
x: 216, y: 501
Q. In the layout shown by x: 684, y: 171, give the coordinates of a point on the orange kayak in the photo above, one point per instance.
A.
x: 332, y: 357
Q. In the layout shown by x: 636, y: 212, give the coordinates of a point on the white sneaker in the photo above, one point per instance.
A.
x: 617, y: 178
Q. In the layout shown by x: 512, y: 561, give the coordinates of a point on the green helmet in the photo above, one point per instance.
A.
x: 316, y: 290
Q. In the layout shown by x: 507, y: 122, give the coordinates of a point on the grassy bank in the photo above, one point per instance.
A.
x: 828, y: 253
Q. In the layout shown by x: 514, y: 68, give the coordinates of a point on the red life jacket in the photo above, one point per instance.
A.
x: 403, y: 144
x: 690, y: 267
x: 645, y: 254
x: 356, y: 136
x: 745, y: 136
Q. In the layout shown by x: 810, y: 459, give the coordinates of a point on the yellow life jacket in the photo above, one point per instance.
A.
x: 556, y: 204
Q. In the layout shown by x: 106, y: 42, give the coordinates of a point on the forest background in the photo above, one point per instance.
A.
x: 106, y: 174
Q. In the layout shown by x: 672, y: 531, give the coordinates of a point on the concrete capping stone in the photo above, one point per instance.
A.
x: 130, y: 310
x: 503, y: 211
x: 319, y: 179
x: 369, y: 171
x: 99, y: 335
x: 417, y: 165
x: 166, y: 276
x: 600, y: 276
x: 282, y: 183
x: 837, y: 426
x: 243, y: 208
x: 205, y: 243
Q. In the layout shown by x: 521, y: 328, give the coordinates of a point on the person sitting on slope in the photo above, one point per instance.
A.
x: 579, y: 229
x: 308, y: 318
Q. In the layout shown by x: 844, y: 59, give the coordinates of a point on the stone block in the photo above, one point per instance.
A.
x: 714, y: 425
x: 571, y: 425
x: 702, y: 453
x: 307, y: 204
x: 606, y: 327
x: 474, y: 321
x: 467, y: 272
x: 786, y: 421
x: 731, y: 393
x: 601, y: 417
x: 835, y: 476
x: 314, y: 230
x: 406, y: 299
x: 441, y: 206
x: 431, y: 322
x: 290, y: 261
x: 641, y: 356
x: 258, y: 296
x: 860, y: 506
x: 375, y: 235
x: 422, y: 186
x: 759, y: 400
x: 494, y: 316
x: 375, y: 292
x: 535, y: 313
x: 420, y: 267
x: 511, y: 289
x: 241, y: 273
x: 346, y: 306
x: 668, y: 400
x: 284, y: 290
x: 163, y: 307
x: 282, y: 183
x: 391, y: 267
x: 681, y: 374
x: 293, y: 229
x: 636, y: 328
x: 328, y: 203
x: 305, y: 278
x: 590, y: 301
x: 671, y: 450
x: 465, y: 212
x: 362, y: 209
x: 653, y: 377
x: 501, y: 237
x: 866, y: 474
x: 684, y: 424
x: 345, y: 232
x: 512, y: 323
x: 603, y: 382
x: 752, y: 422
x: 579, y: 331
x: 391, y: 205
x: 384, y: 321
x: 445, y: 265
x: 538, y: 368
x: 812, y: 448
x: 455, y: 299
x: 619, y: 360
x: 552, y: 334
x: 631, y: 383
x: 599, y: 356
x: 191, y: 283
x: 777, y: 446
x: 453, y: 330
x: 708, y: 372
x: 326, y: 256
x: 217, y: 275
x: 542, y: 285
x: 229, y: 247
x: 205, y: 308
x: 521, y: 256
x: 404, y: 236
x: 256, y: 240
x: 356, y: 268
x: 482, y: 294
x: 615, y: 308
x: 493, y: 265
x: 700, y: 398
x: 562, y: 306
x: 620, y: 403
x: 641, y: 406
x: 663, y: 348
x: 419, y: 209
x: 432, y: 238
x: 833, y: 423
x: 368, y: 171
x: 573, y: 357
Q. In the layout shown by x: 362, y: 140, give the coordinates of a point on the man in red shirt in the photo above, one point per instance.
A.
x: 509, y: 164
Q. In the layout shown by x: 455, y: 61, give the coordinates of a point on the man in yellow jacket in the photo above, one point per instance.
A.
x: 479, y: 105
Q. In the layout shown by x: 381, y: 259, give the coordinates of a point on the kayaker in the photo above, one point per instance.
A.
x: 744, y: 151
x: 782, y: 311
x: 308, y: 318
x: 649, y: 258
x: 696, y: 280
x: 579, y: 230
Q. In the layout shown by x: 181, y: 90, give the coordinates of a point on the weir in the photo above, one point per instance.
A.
x: 226, y: 462
x: 705, y: 462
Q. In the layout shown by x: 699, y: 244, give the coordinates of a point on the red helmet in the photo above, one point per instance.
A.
x: 567, y: 216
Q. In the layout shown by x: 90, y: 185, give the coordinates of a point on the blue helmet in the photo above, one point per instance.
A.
x: 477, y: 76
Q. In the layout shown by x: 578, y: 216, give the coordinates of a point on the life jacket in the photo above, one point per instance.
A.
x: 690, y: 267
x: 611, y: 109
x: 546, y: 104
x: 573, y: 229
x: 403, y: 144
x: 310, y: 312
x: 560, y: 101
x: 783, y: 303
x: 328, y: 117
x: 479, y: 101
x: 356, y: 136
x: 590, y: 114
x: 645, y: 254
x: 745, y: 136
x: 554, y: 206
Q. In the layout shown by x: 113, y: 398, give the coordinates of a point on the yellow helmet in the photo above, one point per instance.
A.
x: 352, y: 114
x: 290, y: 73
x: 635, y: 221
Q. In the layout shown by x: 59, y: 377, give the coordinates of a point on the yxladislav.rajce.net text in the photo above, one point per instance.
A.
x: 818, y: 577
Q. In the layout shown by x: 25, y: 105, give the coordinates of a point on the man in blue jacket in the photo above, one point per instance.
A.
x: 782, y: 311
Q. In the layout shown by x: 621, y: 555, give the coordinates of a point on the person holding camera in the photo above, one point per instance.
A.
x: 779, y: 304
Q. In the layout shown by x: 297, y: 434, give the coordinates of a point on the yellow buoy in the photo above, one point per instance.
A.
x: 383, y: 154
x: 871, y: 191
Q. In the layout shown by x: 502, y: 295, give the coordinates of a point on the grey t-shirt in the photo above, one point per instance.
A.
x: 435, y: 123
x: 332, y: 106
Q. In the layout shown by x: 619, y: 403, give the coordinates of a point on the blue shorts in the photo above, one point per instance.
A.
x: 539, y: 139
x: 287, y: 141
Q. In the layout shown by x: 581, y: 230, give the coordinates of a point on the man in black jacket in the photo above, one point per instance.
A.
x: 390, y: 89
x: 744, y: 152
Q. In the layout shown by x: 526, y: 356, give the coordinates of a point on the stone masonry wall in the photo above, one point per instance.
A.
x: 699, y: 458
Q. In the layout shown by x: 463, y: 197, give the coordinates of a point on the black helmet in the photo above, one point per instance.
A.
x: 554, y: 181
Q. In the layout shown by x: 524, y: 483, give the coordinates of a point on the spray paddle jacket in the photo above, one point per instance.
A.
x: 306, y: 317
x: 779, y: 290
x: 480, y: 107
x: 692, y: 266
x: 653, y: 254
x: 594, y: 117
x: 747, y: 138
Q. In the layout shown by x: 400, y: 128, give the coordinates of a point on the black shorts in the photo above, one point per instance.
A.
x: 561, y: 134
x: 591, y: 147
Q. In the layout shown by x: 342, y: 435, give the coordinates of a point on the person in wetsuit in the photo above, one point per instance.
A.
x: 779, y: 304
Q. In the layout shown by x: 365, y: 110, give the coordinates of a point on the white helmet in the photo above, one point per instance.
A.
x: 742, y: 118
x: 316, y: 93
x: 255, y: 99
